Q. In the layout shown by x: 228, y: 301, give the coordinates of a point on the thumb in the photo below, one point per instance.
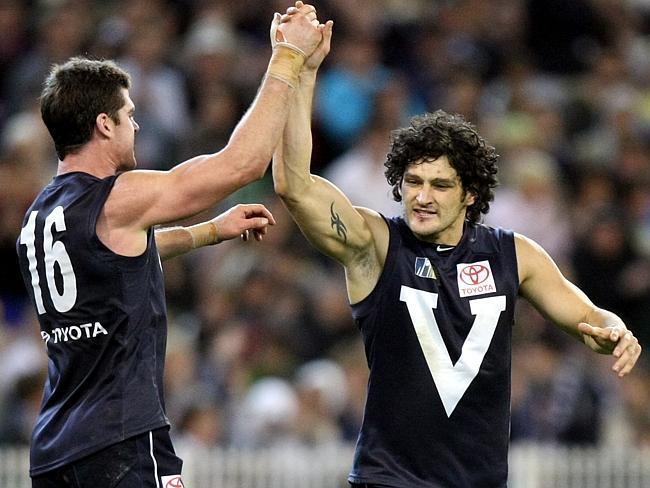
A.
x: 256, y: 223
x: 327, y: 30
x: 588, y: 331
x: 274, y: 33
x: 615, y: 334
x: 610, y: 334
x: 585, y: 328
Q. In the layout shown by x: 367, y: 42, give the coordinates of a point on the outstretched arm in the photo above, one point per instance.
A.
x: 542, y: 283
x: 141, y: 199
x: 240, y: 220
x: 324, y: 214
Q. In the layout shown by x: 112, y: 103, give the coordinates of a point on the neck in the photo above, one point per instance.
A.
x: 88, y: 161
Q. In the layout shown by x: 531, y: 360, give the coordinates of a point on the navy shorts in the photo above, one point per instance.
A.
x: 144, y: 461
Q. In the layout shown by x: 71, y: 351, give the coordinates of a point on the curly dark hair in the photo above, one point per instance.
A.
x: 437, y: 134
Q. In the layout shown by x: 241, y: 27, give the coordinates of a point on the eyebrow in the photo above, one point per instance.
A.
x: 437, y: 179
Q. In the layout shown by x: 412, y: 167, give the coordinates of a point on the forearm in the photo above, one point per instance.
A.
x: 291, y: 161
x: 246, y: 156
x: 258, y: 132
x: 256, y: 136
x: 174, y: 241
x: 604, y: 318
x: 581, y: 324
x: 594, y: 316
x: 323, y: 213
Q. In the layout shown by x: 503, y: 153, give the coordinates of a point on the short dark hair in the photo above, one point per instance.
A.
x: 437, y: 134
x: 74, y: 94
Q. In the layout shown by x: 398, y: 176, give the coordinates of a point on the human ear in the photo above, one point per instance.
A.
x: 470, y: 198
x: 104, y: 124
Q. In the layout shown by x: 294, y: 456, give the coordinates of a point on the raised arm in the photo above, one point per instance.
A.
x: 141, y: 199
x: 559, y: 300
x: 324, y: 214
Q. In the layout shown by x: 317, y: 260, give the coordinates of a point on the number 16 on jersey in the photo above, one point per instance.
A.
x: 54, y: 253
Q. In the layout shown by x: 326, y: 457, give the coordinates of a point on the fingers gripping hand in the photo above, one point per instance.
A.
x: 617, y: 341
x: 323, y: 48
x: 276, y: 34
x: 244, y: 219
x: 299, y: 27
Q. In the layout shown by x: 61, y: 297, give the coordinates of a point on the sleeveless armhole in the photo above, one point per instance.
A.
x: 99, y: 200
x: 103, y: 252
x: 507, y: 240
x: 371, y: 302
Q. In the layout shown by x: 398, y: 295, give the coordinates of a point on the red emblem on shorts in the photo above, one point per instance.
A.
x: 474, y: 274
x: 175, y: 482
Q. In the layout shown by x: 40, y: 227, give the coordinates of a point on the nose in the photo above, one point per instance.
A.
x: 136, y: 126
x: 424, y: 196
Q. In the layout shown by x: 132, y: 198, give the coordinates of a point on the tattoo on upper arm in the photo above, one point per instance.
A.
x: 338, y: 224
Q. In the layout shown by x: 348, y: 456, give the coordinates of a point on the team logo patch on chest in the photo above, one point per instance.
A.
x: 475, y: 279
x: 424, y: 269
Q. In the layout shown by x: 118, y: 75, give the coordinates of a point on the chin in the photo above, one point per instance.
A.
x: 424, y: 225
x: 422, y: 230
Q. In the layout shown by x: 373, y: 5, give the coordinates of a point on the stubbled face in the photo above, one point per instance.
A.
x: 434, y: 201
x: 125, y: 134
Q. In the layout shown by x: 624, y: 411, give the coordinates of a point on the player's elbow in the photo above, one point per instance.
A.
x: 280, y: 187
x: 289, y: 192
x: 254, y: 167
x: 289, y: 199
x: 255, y: 172
x: 249, y: 165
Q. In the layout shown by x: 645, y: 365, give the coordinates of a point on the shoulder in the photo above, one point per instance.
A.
x: 487, y: 239
x: 132, y: 193
x: 373, y: 218
x: 532, y: 259
x: 378, y: 227
x: 495, y: 232
x: 526, y: 247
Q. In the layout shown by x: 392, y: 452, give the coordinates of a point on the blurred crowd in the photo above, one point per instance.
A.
x: 262, y: 349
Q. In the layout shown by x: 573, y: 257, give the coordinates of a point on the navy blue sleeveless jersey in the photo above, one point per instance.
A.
x: 103, y: 320
x: 437, y: 334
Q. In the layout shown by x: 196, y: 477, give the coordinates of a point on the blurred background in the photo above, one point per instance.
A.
x: 264, y: 362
